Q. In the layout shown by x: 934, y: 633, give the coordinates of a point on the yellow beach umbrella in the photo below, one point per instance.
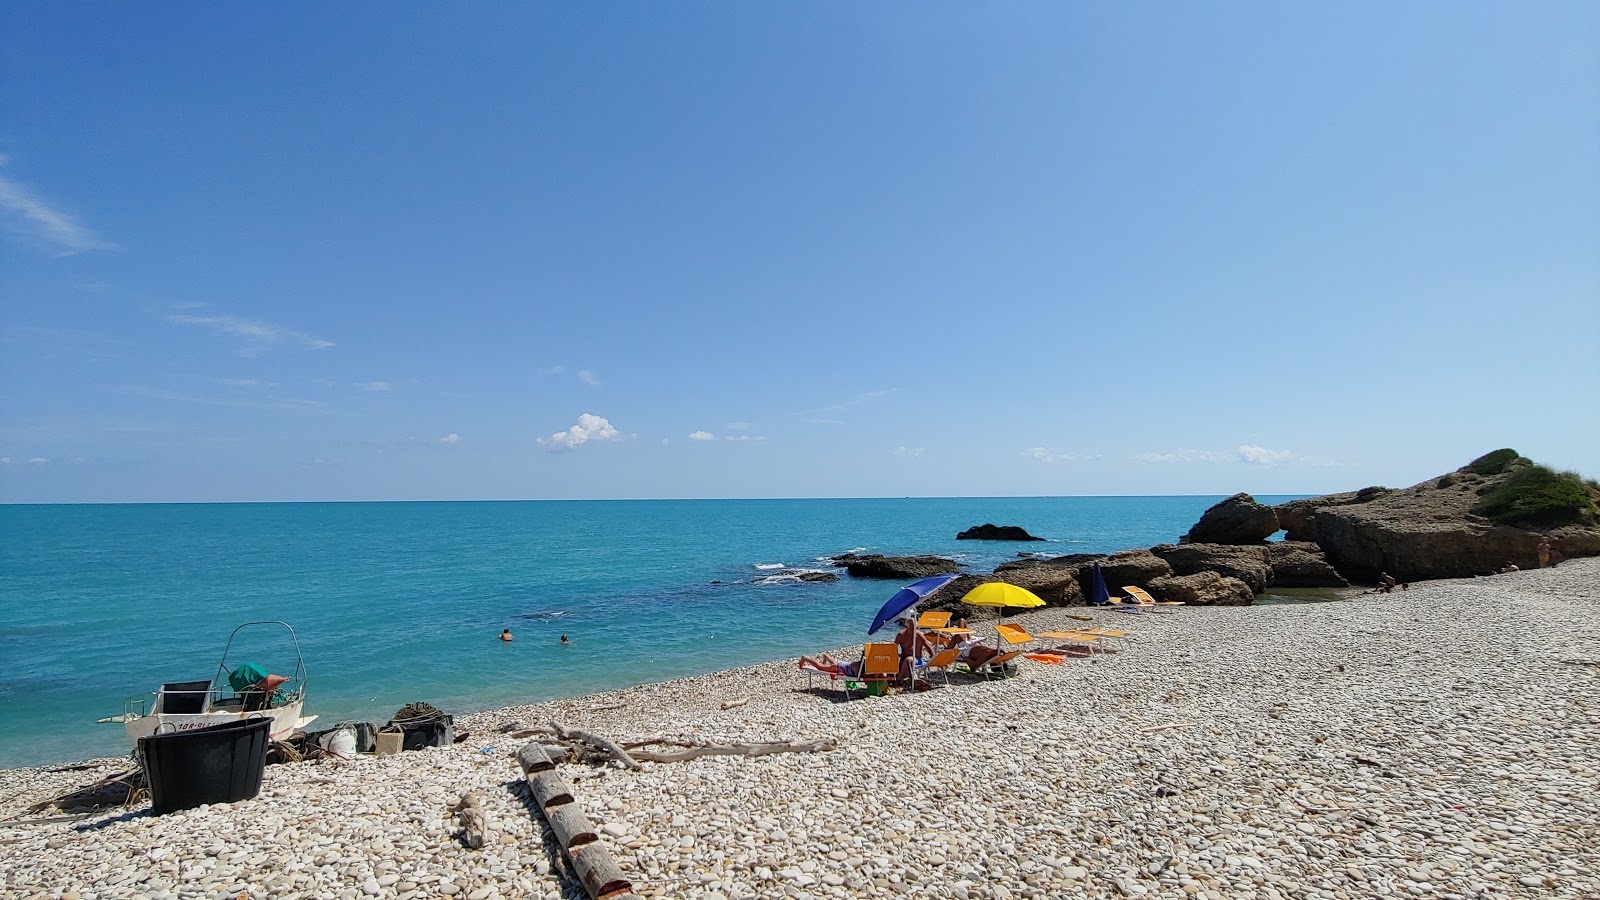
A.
x: 998, y: 593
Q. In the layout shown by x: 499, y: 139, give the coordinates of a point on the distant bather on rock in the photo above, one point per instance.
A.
x: 988, y: 532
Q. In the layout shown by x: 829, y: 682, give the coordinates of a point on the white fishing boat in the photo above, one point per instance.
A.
x: 239, y: 690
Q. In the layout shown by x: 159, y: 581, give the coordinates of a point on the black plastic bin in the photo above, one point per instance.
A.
x: 432, y: 733
x: 220, y: 764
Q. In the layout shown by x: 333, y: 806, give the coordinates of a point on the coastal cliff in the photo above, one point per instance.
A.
x: 1495, y: 512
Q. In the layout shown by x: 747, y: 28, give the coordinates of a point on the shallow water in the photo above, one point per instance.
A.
x: 395, y: 602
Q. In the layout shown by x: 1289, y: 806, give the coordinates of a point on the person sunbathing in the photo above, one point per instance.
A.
x: 976, y: 654
x: 824, y: 662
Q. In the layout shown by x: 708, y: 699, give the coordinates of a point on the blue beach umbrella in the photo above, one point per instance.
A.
x: 1098, y: 595
x: 907, y: 597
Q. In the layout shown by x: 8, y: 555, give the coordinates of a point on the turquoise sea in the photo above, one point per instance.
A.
x: 395, y: 602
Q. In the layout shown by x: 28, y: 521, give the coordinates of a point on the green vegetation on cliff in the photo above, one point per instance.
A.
x: 1493, y: 463
x: 1536, y: 495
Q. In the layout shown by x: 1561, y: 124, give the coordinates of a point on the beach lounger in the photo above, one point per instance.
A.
x: 1147, y: 602
x: 1013, y: 634
x: 880, y: 664
x: 1103, y: 633
x: 933, y: 620
x: 1083, y: 640
x: 997, y: 665
x: 942, y: 661
x: 877, y: 664
x: 840, y: 681
x: 948, y: 637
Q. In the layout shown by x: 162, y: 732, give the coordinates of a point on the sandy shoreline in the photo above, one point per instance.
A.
x: 1438, y: 742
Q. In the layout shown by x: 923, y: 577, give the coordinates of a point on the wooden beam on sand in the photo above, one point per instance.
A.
x: 590, y: 859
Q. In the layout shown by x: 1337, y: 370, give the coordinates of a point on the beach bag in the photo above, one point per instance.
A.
x: 341, y: 742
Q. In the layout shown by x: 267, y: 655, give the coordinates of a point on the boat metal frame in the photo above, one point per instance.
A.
x: 174, y: 706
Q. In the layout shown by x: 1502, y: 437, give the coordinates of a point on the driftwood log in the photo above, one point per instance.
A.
x: 694, y: 748
x: 596, y: 870
x: 573, y: 745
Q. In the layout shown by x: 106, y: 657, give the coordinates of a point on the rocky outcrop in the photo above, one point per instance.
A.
x: 1428, y: 530
x: 1295, y: 516
x: 1301, y: 564
x: 1250, y: 564
x: 988, y: 532
x: 948, y: 598
x: 1055, y: 582
x: 817, y: 576
x: 1203, y: 589
x: 876, y: 565
x: 1236, y: 520
x: 1135, y: 567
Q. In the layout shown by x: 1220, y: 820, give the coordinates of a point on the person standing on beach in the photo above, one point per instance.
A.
x: 1544, y: 552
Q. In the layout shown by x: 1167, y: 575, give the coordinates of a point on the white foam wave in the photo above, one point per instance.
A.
x: 790, y: 576
x: 768, y: 566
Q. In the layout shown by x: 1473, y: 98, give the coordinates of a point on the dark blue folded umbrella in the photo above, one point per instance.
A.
x: 1098, y: 595
x: 907, y: 597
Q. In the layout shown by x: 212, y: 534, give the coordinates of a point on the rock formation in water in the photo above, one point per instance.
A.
x: 876, y: 565
x: 1236, y: 520
x: 988, y: 532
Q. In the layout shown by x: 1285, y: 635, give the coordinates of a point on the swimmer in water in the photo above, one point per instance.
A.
x: 564, y: 639
x: 505, y: 634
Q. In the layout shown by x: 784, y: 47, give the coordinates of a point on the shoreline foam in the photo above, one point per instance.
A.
x: 1439, y: 741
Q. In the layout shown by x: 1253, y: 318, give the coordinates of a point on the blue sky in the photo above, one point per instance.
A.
x: 359, y: 251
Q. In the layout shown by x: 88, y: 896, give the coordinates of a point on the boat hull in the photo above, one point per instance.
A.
x: 285, y: 720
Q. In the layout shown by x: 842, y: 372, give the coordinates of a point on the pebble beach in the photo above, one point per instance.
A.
x: 1438, y: 742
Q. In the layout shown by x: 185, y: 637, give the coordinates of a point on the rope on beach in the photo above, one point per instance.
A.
x: 417, y: 713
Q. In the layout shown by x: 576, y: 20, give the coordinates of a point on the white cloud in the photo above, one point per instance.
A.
x: 38, y: 460
x: 908, y: 451
x: 377, y: 386
x: 702, y: 436
x: 1041, y: 454
x: 590, y: 427
x: 5, y: 460
x: 1261, y: 456
x: 666, y: 441
x: 826, y: 415
x: 451, y: 438
x: 1248, y: 453
x: 1185, y: 455
x: 744, y: 437
x: 268, y: 401
x: 587, y: 377
x: 35, y: 218
x: 260, y: 334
